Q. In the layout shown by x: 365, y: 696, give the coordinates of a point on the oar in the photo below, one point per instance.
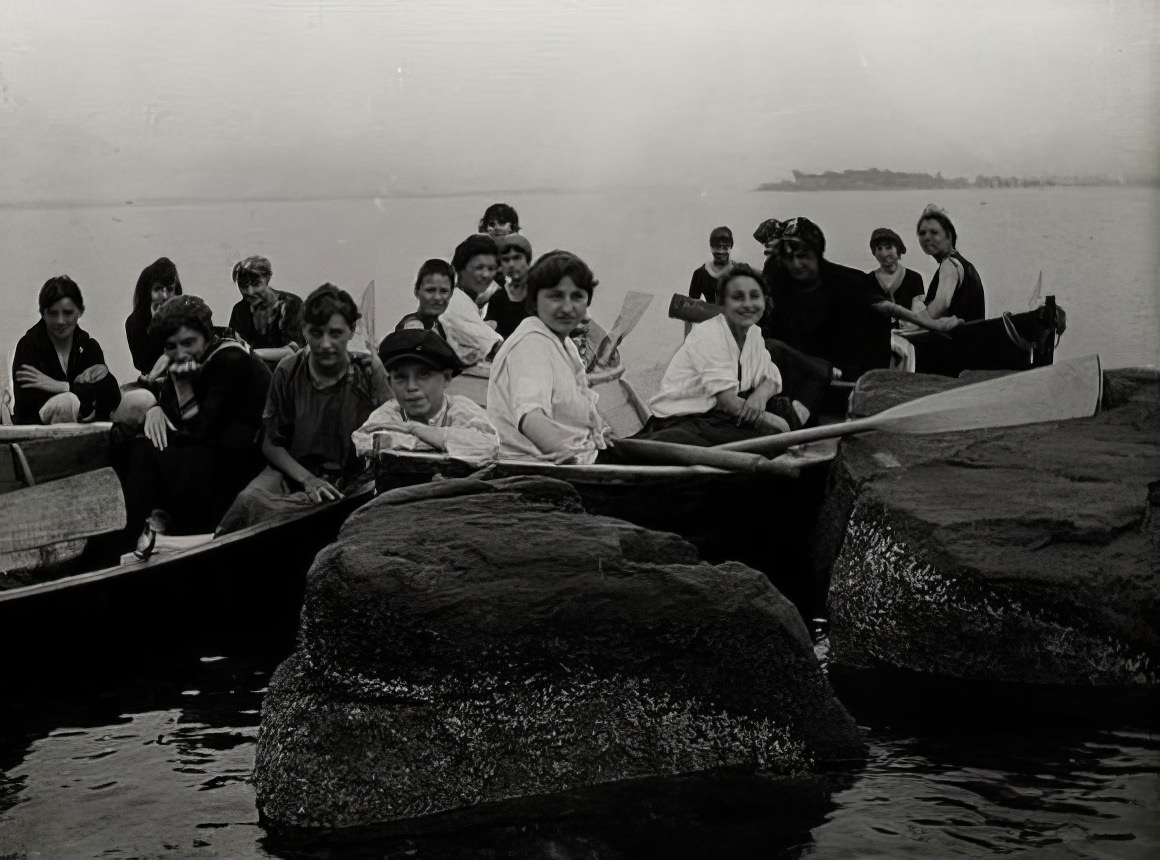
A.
x: 673, y: 454
x: 364, y: 329
x: 66, y: 509
x: 633, y: 308
x: 1058, y: 392
x: 5, y: 390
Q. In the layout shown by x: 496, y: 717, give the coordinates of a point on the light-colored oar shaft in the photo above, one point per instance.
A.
x: 770, y: 445
x: 671, y: 453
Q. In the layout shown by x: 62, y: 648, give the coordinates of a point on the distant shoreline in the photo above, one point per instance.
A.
x: 890, y: 180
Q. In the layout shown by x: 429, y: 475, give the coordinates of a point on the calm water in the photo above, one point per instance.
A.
x: 153, y: 760
x: 155, y: 763
x: 1095, y: 247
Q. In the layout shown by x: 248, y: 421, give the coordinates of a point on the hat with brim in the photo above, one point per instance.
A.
x: 515, y: 240
x: 256, y: 264
x: 419, y: 345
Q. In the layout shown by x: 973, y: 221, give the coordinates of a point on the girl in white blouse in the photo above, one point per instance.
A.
x: 538, y: 396
x: 722, y: 384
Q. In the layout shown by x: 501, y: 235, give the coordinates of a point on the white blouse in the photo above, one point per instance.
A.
x: 470, y: 337
x: 535, y: 369
x: 708, y: 363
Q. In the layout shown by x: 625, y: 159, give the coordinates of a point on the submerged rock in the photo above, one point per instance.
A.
x: 467, y: 642
x: 1021, y: 554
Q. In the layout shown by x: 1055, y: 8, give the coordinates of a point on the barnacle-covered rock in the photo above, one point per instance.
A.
x: 1022, y: 554
x: 486, y: 641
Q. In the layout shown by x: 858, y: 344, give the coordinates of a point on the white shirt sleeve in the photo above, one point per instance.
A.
x: 470, y: 337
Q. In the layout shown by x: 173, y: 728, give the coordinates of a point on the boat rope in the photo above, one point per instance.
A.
x: 1018, y: 339
x: 22, y: 462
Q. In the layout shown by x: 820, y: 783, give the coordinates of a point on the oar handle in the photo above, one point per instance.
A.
x: 775, y: 444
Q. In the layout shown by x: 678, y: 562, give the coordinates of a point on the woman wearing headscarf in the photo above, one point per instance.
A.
x: 956, y: 290
x: 200, y: 442
x: 59, y: 373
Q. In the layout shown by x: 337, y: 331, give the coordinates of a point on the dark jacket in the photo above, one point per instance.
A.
x: 968, y: 303
x: 909, y: 290
x: 36, y: 349
x: 284, y: 328
x: 230, y: 389
x: 144, y: 349
x: 834, y: 319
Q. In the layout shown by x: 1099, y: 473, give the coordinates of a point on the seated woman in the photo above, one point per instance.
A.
x: 157, y: 282
x: 721, y: 385
x: 538, y: 396
x: 956, y: 291
x: 475, y: 264
x: 897, y: 283
x: 317, y: 399
x: 422, y: 416
x: 59, y: 373
x: 200, y: 440
x: 507, y: 307
x: 269, y: 320
x: 433, y: 286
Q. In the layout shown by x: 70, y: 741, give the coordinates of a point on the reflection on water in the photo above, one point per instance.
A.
x: 156, y: 763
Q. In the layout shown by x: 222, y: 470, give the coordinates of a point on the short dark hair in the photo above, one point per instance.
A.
x: 60, y: 287
x: 933, y: 213
x: 740, y: 270
x: 499, y: 213
x: 552, y: 268
x: 473, y: 246
x: 435, y: 266
x: 179, y: 311
x: 160, y: 271
x: 325, y: 302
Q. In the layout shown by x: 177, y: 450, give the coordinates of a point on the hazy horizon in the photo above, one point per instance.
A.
x: 138, y: 100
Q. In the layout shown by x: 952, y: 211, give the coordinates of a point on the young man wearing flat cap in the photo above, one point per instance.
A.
x: 422, y: 416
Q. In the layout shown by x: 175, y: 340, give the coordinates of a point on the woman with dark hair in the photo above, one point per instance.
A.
x: 318, y: 397
x: 956, y: 290
x: 722, y: 386
x: 499, y: 219
x: 538, y: 395
x: 476, y: 260
x: 59, y: 371
x: 200, y: 439
x: 157, y: 283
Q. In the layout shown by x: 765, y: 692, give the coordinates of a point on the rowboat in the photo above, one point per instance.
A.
x: 40, y: 468
x: 1007, y: 342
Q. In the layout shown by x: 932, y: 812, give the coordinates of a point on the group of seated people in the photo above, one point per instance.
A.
x: 227, y: 426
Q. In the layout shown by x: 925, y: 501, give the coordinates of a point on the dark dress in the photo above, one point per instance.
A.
x: 968, y: 303
x: 833, y: 319
x: 283, y: 328
x: 35, y: 348
x: 506, y: 313
x: 909, y: 290
x: 703, y: 285
x: 214, y: 451
x: 144, y: 349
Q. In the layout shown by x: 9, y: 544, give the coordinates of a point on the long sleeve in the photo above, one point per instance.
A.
x: 470, y: 337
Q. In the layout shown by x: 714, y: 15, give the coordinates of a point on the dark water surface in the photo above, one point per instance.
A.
x: 147, y: 753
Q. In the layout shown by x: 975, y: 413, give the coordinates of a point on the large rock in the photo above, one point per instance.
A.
x: 486, y: 641
x: 1022, y: 554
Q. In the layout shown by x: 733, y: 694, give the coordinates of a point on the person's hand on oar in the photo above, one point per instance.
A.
x: 319, y: 490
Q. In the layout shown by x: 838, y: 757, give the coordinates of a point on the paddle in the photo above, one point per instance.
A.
x: 633, y: 308
x: 5, y: 390
x: 671, y: 453
x: 66, y: 509
x: 1058, y: 392
x: 364, y: 328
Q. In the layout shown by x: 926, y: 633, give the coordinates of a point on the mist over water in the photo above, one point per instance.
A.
x: 1095, y: 247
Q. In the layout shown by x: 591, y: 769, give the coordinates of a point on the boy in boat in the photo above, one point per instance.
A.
x: 475, y: 263
x: 423, y: 416
x: 506, y: 307
x: 433, y: 286
x: 499, y: 220
x: 318, y: 397
x: 269, y: 320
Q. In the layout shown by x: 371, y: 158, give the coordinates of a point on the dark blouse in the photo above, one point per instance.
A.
x: 703, y: 285
x: 968, y: 302
x: 909, y: 290
x: 506, y: 314
x: 284, y: 326
x: 35, y: 348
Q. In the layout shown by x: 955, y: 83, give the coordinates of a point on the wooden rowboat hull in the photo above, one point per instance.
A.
x: 1017, y: 342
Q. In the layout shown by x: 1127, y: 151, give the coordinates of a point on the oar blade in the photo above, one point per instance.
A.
x: 67, y: 509
x: 1058, y: 392
x: 633, y: 308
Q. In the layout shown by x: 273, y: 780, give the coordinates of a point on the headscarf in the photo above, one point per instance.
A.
x: 805, y: 231
x: 767, y: 230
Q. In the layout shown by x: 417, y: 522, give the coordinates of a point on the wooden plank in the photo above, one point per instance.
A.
x: 50, y: 459
x: 32, y: 559
x: 66, y: 509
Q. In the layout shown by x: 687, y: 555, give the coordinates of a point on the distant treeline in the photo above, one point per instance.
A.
x: 874, y: 179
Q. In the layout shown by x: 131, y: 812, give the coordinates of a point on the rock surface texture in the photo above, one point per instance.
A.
x: 1024, y: 554
x: 466, y: 642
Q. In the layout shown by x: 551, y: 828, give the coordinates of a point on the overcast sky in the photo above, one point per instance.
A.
x: 137, y: 99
